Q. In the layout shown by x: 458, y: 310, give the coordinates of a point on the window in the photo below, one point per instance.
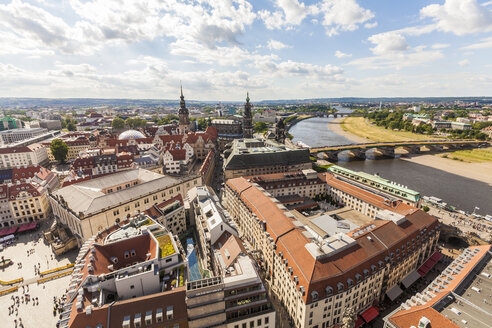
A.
x: 158, y: 315
x: 251, y: 324
x: 137, y: 320
x: 169, y: 313
x: 148, y: 318
x: 126, y: 322
x: 266, y: 320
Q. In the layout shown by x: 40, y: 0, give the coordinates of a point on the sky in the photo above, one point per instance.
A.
x: 220, y: 49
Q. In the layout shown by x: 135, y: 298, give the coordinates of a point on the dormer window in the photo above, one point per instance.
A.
x: 358, y: 277
x: 328, y: 290
x: 366, y: 273
x: 133, y: 252
x: 314, y: 295
x: 127, y: 254
x: 350, y: 282
x: 340, y: 286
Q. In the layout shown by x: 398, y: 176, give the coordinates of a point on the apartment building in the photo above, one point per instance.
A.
x: 19, y: 134
x: 377, y: 184
x: 170, y: 214
x: 93, y: 205
x: 28, y: 202
x: 254, y: 156
x: 9, y: 123
x: 305, y: 183
x: 176, y: 158
x: 24, y: 195
x: 31, y: 155
x: 235, y: 296
x: 458, y: 297
x: 318, y: 277
x: 363, y: 200
x: 211, y: 221
x: 129, y: 275
x: 76, y: 143
x: 207, y: 168
x: 201, y: 142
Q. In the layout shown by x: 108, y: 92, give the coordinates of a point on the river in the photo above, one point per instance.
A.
x: 461, y: 192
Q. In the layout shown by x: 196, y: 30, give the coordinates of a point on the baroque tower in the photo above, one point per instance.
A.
x: 247, y: 119
x: 280, y: 131
x: 184, y: 115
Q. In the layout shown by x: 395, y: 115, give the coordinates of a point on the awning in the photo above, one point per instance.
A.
x: 27, y: 227
x: 359, y: 322
x: 370, y: 314
x: 394, y: 292
x: 410, y: 278
x: 431, y: 261
x: 8, y: 231
x: 6, y: 238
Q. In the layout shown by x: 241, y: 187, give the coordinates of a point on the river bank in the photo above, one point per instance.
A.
x: 476, y: 171
x: 336, y: 127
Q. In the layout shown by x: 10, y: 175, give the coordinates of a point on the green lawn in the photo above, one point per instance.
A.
x: 471, y: 156
x: 362, y: 128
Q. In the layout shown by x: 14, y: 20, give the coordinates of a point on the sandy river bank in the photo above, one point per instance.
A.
x: 477, y: 171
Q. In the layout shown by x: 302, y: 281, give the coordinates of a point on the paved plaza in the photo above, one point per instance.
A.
x: 33, y: 316
x: 27, y: 252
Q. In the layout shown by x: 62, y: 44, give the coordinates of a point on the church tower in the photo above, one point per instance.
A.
x: 184, y: 115
x: 280, y: 131
x: 247, y: 119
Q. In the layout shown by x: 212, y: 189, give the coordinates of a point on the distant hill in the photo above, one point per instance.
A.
x: 94, y: 102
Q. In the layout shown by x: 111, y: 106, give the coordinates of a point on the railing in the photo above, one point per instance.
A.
x: 13, y: 289
x: 39, y: 281
x: 56, y: 269
x: 11, y: 282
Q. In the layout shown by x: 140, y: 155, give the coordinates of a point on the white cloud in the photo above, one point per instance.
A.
x: 388, y: 42
x: 108, y: 22
x: 293, y: 68
x: 459, y: 16
x: 340, y: 54
x: 288, y: 13
x: 221, y: 55
x: 484, y: 43
x: 371, y: 25
x: 344, y: 15
x: 464, y: 62
x: 397, y: 59
x: 440, y: 45
x: 276, y: 45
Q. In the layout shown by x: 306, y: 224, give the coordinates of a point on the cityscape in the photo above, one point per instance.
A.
x: 175, y: 164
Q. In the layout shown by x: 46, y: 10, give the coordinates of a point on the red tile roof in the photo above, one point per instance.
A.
x: 15, y: 150
x: 376, y: 200
x: 318, y: 274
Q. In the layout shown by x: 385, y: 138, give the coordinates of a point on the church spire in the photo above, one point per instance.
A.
x: 247, y: 119
x: 184, y: 119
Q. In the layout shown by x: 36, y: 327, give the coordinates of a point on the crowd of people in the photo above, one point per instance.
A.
x: 17, y: 301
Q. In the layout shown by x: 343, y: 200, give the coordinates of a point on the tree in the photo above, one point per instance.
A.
x: 426, y: 208
x: 260, y: 127
x: 71, y: 126
x: 201, y: 123
x: 135, y: 122
x: 118, y: 123
x: 59, y: 149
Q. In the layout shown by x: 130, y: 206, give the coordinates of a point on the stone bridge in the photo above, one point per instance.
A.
x: 336, y: 114
x: 387, y: 149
